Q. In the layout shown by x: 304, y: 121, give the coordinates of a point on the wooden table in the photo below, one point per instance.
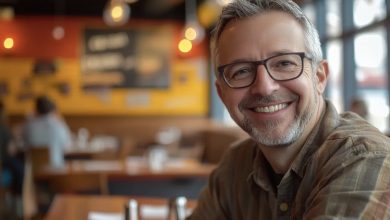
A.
x: 78, y: 207
x: 128, y: 177
x: 75, y: 153
x: 132, y: 167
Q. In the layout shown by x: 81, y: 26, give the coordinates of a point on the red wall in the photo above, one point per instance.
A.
x: 33, y: 36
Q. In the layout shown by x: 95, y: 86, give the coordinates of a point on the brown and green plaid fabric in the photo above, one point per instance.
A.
x: 341, y: 172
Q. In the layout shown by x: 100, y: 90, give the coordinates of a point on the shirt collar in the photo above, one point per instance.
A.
x: 259, y: 174
x: 329, y: 119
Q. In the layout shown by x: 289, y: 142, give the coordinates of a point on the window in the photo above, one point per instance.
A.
x: 333, y: 17
x: 366, y: 12
x: 371, y: 75
x: 335, y: 81
x: 309, y: 11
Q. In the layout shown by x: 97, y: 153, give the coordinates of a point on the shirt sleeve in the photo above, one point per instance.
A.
x: 357, y: 187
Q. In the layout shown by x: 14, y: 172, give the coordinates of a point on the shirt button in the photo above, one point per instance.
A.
x: 283, y: 207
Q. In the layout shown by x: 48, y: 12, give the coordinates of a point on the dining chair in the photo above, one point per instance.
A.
x: 78, y: 183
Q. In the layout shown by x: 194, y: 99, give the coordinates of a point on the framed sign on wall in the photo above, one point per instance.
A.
x: 138, y: 57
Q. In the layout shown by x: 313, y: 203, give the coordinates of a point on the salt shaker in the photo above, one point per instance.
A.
x: 131, y: 210
x: 177, y: 208
x: 181, y: 203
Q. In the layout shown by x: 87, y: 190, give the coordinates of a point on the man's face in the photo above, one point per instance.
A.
x: 273, y: 112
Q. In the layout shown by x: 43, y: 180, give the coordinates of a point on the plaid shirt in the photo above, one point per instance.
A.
x: 342, y: 170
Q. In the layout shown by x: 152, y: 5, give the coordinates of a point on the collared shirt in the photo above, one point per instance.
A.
x: 342, y: 170
x: 48, y: 131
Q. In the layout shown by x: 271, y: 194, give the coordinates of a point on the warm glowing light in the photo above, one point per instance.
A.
x: 7, y: 13
x: 208, y: 13
x: 58, y: 32
x: 185, y: 45
x: 8, y: 43
x: 117, y: 13
x: 194, y: 32
x: 190, y: 33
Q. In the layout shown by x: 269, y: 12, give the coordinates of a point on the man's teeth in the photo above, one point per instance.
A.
x: 272, y: 108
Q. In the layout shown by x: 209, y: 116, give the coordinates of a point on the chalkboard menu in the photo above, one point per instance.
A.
x: 127, y: 58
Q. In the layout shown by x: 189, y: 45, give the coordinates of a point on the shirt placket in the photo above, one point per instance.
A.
x: 284, y: 197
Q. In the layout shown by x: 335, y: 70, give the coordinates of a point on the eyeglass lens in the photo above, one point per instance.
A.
x: 281, y: 67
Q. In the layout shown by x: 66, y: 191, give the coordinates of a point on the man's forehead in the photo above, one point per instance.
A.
x: 265, y: 17
x: 273, y: 30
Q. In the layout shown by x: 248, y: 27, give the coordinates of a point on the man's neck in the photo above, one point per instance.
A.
x: 280, y: 158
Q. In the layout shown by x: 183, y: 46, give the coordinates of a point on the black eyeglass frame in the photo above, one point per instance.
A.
x: 263, y: 62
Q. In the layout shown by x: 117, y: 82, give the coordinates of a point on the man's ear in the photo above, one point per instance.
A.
x: 322, y: 76
x: 219, y: 90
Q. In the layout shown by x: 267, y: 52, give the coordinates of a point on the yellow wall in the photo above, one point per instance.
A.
x: 184, y: 97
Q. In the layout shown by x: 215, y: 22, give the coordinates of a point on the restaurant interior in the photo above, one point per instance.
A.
x: 134, y: 82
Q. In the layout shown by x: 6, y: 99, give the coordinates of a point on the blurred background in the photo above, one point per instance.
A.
x: 129, y: 58
x: 129, y: 75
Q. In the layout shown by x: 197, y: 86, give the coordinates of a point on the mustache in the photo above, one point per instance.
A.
x: 256, y: 100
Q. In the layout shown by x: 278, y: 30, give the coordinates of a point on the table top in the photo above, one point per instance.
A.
x: 136, y: 167
x: 86, y: 207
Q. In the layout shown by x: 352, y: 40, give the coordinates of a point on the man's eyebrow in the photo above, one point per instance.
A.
x: 279, y: 52
x: 274, y: 53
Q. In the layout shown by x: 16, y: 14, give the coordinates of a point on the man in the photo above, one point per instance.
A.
x: 48, y: 129
x: 304, y: 160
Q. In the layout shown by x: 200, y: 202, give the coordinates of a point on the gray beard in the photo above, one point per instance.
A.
x: 294, y: 131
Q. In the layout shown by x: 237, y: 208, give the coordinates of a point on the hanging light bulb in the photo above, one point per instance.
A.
x: 185, y: 46
x: 116, y: 13
x: 8, y: 43
x: 193, y: 31
x: 58, y: 32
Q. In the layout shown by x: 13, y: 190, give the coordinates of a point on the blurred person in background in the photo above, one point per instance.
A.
x: 12, y: 166
x: 47, y: 129
x: 359, y: 106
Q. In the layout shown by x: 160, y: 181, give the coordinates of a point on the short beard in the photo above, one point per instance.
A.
x: 294, y: 131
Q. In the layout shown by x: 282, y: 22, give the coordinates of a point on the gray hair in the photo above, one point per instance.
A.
x: 239, y: 9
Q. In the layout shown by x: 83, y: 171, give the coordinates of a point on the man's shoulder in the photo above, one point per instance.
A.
x: 354, y: 131
x: 355, y: 137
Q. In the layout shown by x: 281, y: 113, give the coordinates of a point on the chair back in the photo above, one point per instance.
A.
x: 38, y: 157
x: 127, y: 147
x: 89, y: 183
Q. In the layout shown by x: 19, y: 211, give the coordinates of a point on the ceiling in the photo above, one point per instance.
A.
x: 141, y: 9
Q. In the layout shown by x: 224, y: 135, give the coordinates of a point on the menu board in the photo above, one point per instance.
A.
x: 127, y: 58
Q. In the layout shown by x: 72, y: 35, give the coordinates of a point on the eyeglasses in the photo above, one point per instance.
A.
x: 281, y: 67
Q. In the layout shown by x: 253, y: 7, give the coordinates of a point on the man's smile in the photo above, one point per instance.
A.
x: 271, y: 108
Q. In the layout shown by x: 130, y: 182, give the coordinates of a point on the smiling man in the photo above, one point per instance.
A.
x: 304, y: 160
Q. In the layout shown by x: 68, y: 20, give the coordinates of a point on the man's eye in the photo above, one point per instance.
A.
x: 241, y: 74
x: 284, y: 63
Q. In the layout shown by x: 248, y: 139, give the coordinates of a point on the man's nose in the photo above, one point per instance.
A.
x: 263, y: 84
